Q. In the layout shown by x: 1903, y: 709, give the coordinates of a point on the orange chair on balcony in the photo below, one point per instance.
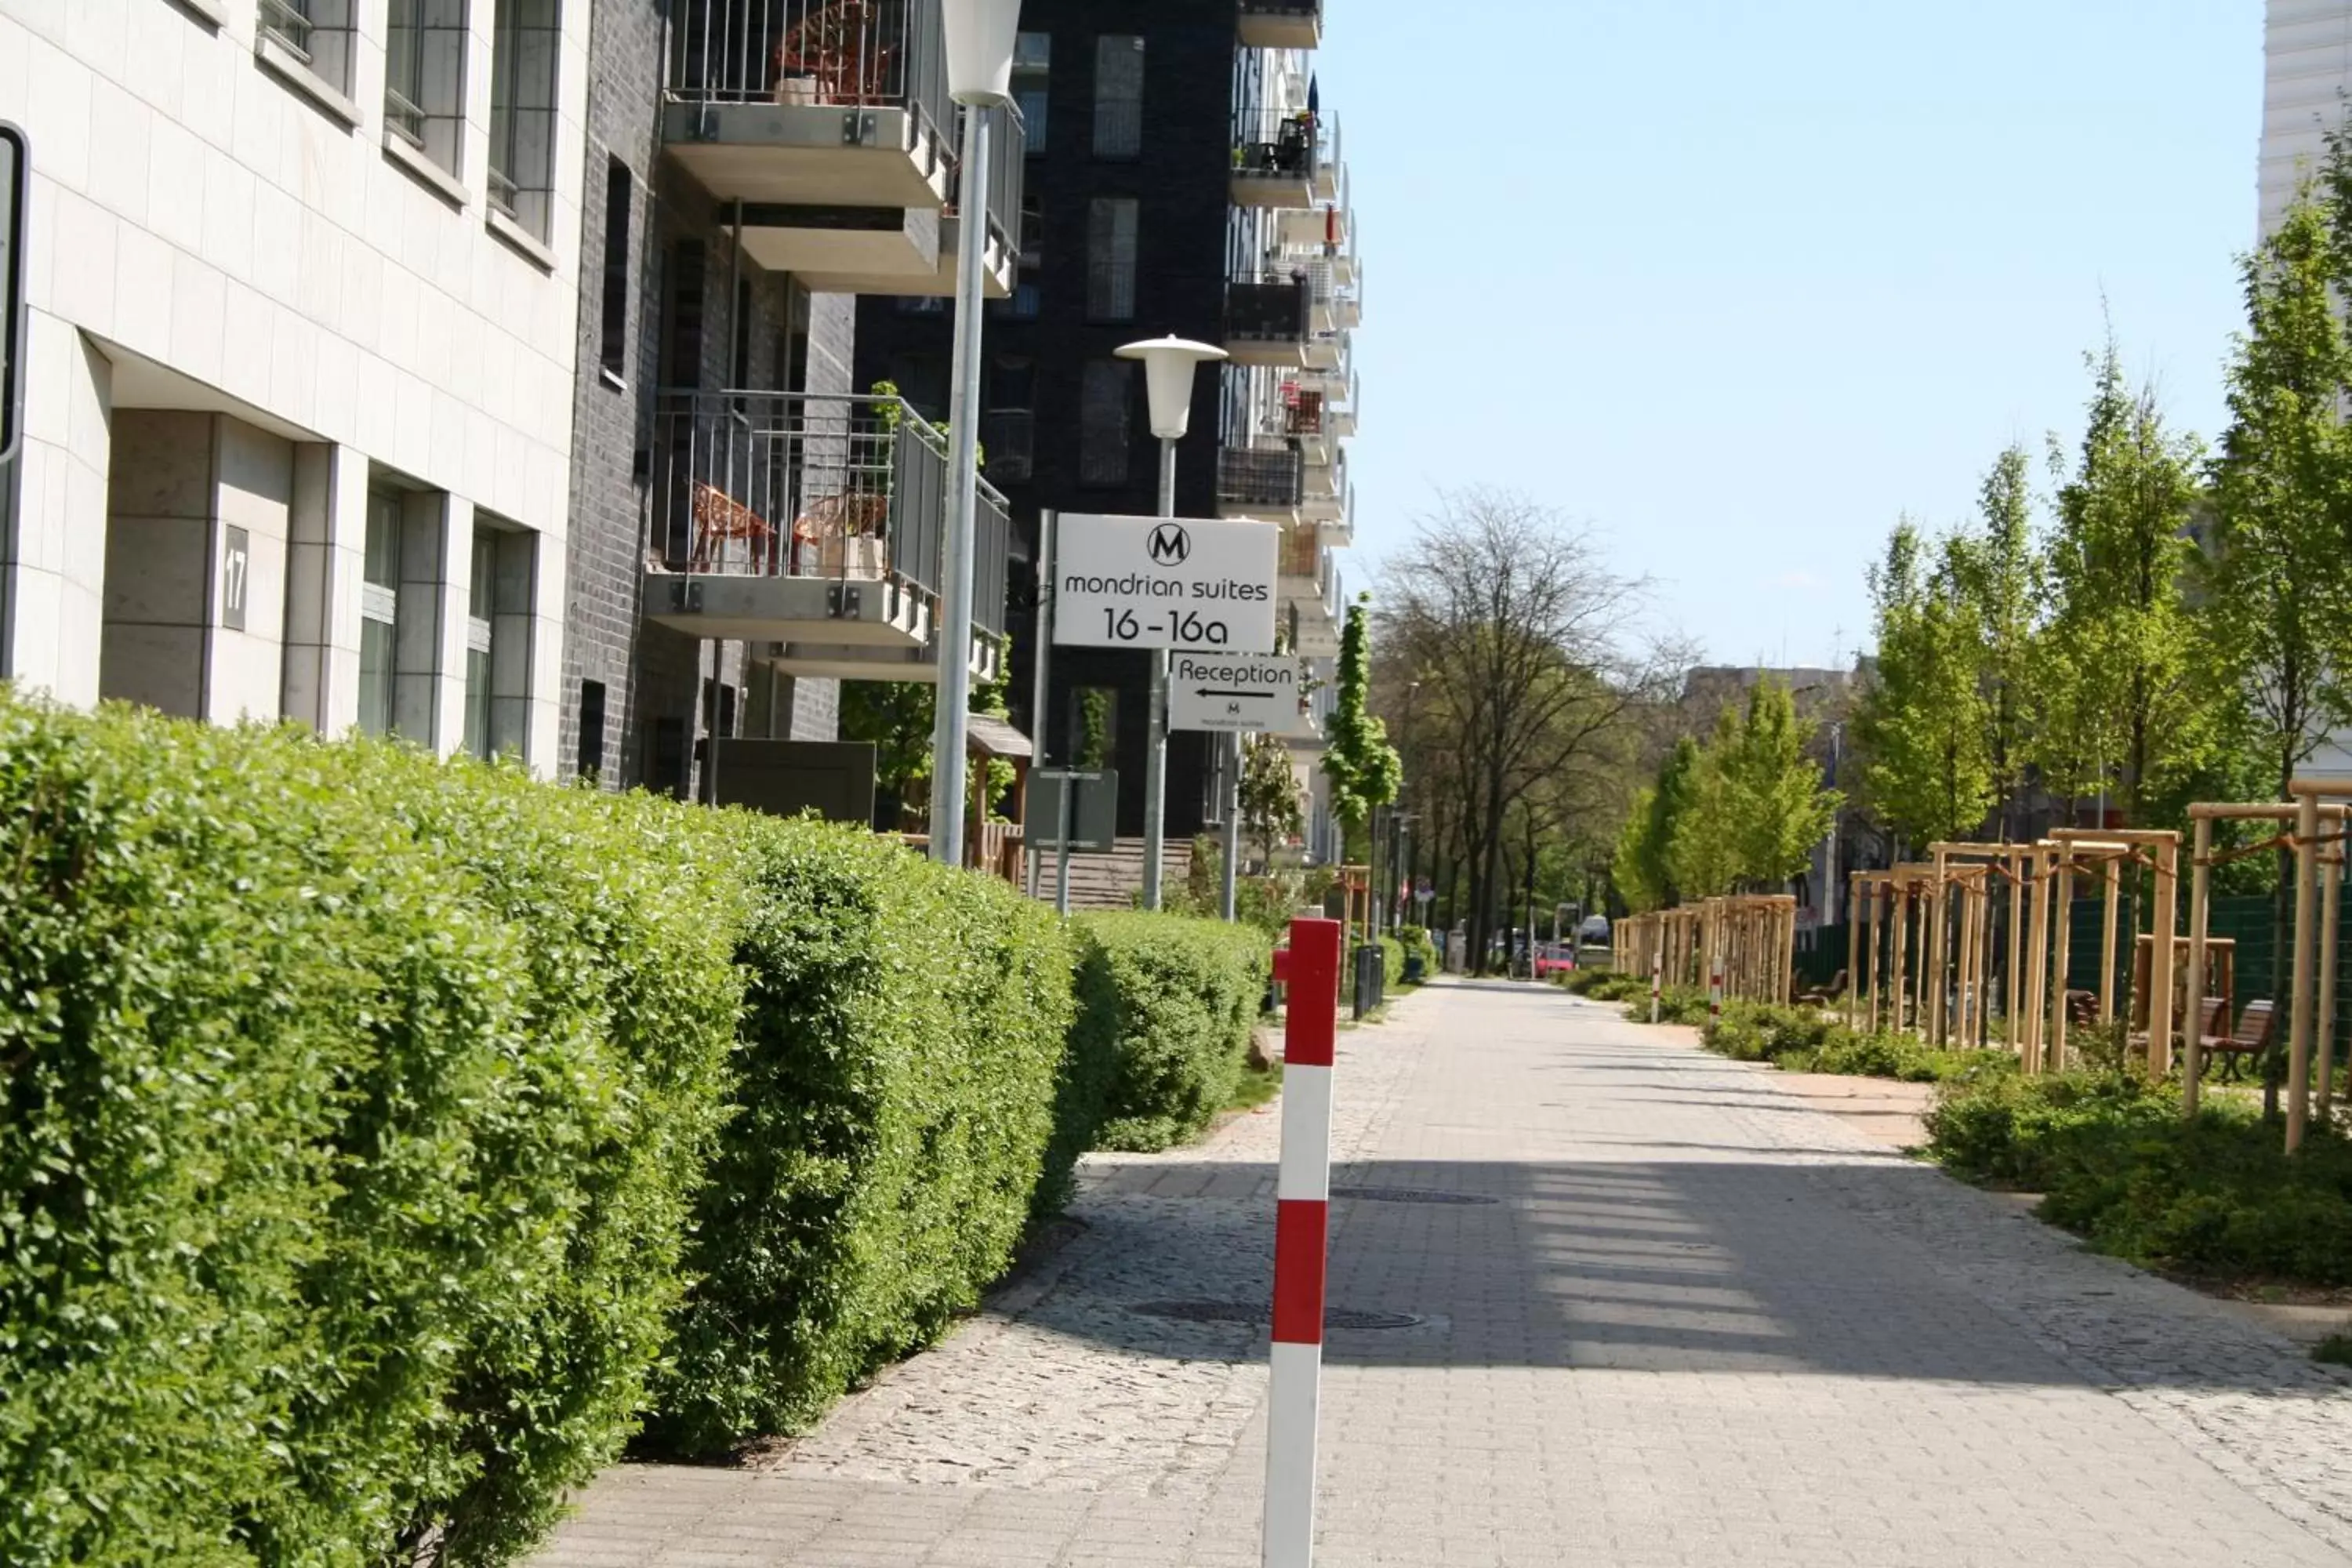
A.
x: 720, y: 520
x: 835, y: 56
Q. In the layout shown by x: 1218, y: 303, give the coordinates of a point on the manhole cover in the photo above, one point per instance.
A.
x: 1248, y: 1313
x: 1406, y: 1195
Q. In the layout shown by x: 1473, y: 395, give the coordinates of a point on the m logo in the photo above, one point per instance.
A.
x: 1169, y: 545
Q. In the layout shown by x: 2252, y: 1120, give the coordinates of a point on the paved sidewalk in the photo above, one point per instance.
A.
x: 1673, y: 1316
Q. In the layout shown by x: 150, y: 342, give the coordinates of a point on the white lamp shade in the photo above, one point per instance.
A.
x: 1168, y: 379
x: 980, y: 38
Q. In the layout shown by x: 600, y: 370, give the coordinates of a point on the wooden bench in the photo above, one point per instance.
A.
x: 2253, y: 1037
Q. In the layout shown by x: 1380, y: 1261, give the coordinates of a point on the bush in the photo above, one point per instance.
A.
x: 1165, y: 1008
x: 2118, y: 1165
x: 1806, y: 1039
x: 904, y: 1029
x: 352, y: 1107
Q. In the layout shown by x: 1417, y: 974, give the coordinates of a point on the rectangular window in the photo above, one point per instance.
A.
x: 590, y: 763
x: 525, y: 39
x: 1110, y: 258
x: 497, y: 640
x: 1103, y: 398
x: 1032, y: 61
x: 1009, y: 430
x: 316, y: 33
x: 379, y: 611
x: 614, y: 325
x: 425, y: 77
x: 1118, y: 95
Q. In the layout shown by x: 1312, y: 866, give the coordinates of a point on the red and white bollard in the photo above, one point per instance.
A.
x: 1657, y: 981
x: 1715, y: 990
x: 1310, y: 968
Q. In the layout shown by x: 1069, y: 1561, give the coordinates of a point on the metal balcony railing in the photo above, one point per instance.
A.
x: 850, y: 52
x: 775, y: 484
x: 1268, y: 306
x: 1277, y: 144
x: 1262, y: 476
x: 1008, y: 169
x: 1302, y: 413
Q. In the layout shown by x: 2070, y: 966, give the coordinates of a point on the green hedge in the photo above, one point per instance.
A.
x: 1165, y: 1008
x: 2118, y: 1165
x: 904, y: 1029
x: 352, y: 1108
x: 1810, y: 1039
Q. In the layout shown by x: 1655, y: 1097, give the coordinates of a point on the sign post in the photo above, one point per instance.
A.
x: 1309, y: 971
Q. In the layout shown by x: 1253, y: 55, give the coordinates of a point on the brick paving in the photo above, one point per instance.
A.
x: 1692, y: 1320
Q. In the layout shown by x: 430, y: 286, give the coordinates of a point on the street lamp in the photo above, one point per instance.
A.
x: 1167, y: 364
x: 981, y: 37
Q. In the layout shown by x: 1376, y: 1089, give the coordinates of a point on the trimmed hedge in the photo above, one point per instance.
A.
x: 2118, y: 1164
x: 1808, y: 1039
x: 904, y: 1031
x: 1165, y: 1008
x: 350, y: 1106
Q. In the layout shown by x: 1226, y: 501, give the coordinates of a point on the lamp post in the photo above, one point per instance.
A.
x: 1168, y: 384
x: 980, y: 35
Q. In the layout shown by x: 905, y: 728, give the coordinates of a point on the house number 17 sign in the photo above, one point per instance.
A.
x: 1196, y: 583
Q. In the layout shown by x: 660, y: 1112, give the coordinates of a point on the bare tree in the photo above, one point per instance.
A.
x: 1527, y: 650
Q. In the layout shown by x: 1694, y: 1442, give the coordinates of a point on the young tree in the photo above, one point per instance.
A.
x: 2131, y: 712
x: 1923, y: 721
x: 1778, y: 809
x: 1704, y: 854
x: 1269, y: 794
x: 1363, y: 768
x: 1643, y: 868
x: 896, y: 716
x: 1999, y: 573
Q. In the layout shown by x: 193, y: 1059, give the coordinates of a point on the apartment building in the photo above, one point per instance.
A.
x: 1183, y: 177
x: 302, y: 288
x: 753, y: 523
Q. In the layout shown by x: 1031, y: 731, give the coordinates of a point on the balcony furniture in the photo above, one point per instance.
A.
x: 719, y: 520
x: 835, y: 56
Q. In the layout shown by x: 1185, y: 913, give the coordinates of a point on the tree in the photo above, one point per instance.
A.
x: 2279, y: 587
x: 1269, y: 794
x: 1521, y: 639
x: 1702, y: 853
x: 1363, y: 768
x: 1924, y: 723
x: 896, y: 717
x: 1644, y: 867
x: 1999, y: 572
x: 2130, y: 714
x: 1778, y: 810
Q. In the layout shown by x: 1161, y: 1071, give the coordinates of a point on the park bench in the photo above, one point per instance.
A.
x: 2253, y: 1037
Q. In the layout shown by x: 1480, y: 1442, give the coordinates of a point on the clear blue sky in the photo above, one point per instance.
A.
x: 1737, y: 283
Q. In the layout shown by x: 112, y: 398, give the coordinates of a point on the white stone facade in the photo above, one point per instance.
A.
x: 258, y: 316
x: 2306, y: 68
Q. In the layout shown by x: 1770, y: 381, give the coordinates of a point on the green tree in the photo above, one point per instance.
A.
x: 1997, y: 570
x: 1778, y: 810
x: 1643, y: 868
x: 2126, y: 698
x: 896, y: 717
x: 1270, y: 793
x: 1363, y: 768
x: 1924, y: 723
x: 1702, y: 855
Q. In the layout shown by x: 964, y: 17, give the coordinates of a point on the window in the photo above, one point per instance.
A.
x: 1010, y: 427
x: 524, y: 41
x: 1110, y: 258
x: 425, y: 77
x: 1103, y: 399
x: 1032, y: 231
x: 1118, y: 95
x: 379, y: 611
x: 497, y: 640
x: 590, y: 763
x: 1032, y: 61
x: 614, y: 325
x: 1021, y: 305
x: 316, y: 33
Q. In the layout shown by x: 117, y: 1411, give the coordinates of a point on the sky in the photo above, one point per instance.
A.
x: 1737, y: 285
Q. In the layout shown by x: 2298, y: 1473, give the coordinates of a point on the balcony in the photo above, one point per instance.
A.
x: 814, y: 523
x: 1260, y: 480
x: 1323, y: 489
x: 1282, y: 24
x: 1340, y: 532
x: 1307, y: 585
x: 829, y: 122
x: 1277, y: 158
x: 1269, y: 317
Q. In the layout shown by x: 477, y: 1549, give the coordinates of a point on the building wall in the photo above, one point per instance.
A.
x: 204, y: 238
x: 2307, y: 65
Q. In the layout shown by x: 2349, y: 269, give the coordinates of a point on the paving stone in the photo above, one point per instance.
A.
x: 1701, y: 1323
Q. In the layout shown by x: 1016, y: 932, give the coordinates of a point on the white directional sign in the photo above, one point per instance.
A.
x: 1224, y: 691
x: 1164, y: 582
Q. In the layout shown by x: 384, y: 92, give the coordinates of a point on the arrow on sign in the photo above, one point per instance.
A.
x: 1255, y: 695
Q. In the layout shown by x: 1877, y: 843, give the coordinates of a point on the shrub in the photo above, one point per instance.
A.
x: 351, y: 1105
x: 903, y: 1031
x: 1165, y: 1006
x: 2118, y: 1165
